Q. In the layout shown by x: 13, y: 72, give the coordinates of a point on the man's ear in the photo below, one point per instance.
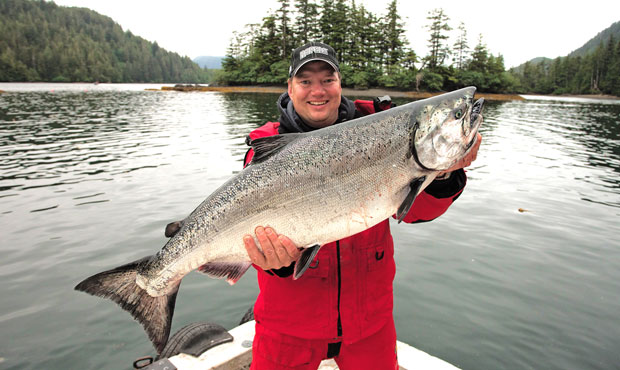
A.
x: 290, y: 86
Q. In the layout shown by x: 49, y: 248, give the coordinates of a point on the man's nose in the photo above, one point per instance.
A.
x: 317, y: 89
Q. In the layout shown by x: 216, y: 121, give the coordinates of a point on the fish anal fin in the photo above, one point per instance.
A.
x: 305, y: 260
x: 231, y: 271
x: 414, y: 188
x: 265, y: 147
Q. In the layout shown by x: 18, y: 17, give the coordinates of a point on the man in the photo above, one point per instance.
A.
x: 342, y: 306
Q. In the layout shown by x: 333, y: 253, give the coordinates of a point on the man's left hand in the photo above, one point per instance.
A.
x: 467, y: 160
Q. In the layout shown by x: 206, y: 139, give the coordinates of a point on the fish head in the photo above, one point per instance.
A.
x: 445, y: 129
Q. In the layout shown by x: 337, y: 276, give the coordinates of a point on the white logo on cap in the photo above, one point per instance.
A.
x: 312, y: 49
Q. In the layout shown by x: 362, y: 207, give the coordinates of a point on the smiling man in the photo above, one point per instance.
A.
x: 341, y: 307
x: 315, y: 93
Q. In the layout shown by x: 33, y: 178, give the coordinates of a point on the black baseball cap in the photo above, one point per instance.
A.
x: 310, y: 52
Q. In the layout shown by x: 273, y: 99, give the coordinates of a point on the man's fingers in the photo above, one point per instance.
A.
x: 280, y: 250
x: 255, y: 255
x: 273, y: 261
x: 291, y: 248
x: 276, y: 251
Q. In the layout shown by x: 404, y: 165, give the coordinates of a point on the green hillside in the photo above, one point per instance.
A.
x: 538, y: 60
x: 594, y: 68
x: 41, y: 41
x: 601, y: 38
x: 587, y: 48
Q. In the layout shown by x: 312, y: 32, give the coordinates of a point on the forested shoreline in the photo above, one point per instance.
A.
x: 41, y: 41
x: 374, y: 52
x: 595, y: 73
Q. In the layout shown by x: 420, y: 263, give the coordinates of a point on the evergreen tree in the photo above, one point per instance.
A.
x: 360, y: 68
x: 479, y: 57
x: 375, y: 46
x: 307, y: 22
x: 359, y: 36
x: 233, y: 54
x: 326, y: 22
x: 340, y: 24
x: 598, y: 68
x: 437, y: 42
x: 394, y: 35
x: 607, y: 61
x: 461, y: 49
x: 285, y: 33
x: 614, y: 72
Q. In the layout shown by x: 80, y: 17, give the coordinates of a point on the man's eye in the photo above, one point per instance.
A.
x: 305, y: 82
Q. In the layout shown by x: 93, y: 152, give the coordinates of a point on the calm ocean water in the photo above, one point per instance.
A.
x: 91, y: 174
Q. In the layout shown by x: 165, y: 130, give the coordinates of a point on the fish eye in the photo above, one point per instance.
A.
x: 458, y: 113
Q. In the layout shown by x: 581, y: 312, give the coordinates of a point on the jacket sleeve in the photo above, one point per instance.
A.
x: 435, y: 200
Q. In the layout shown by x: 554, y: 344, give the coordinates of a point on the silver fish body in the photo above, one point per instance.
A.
x: 314, y: 187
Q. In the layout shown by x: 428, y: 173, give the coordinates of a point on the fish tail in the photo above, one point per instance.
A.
x: 119, y: 285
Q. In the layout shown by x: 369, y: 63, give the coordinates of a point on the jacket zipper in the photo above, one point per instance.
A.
x: 339, y: 286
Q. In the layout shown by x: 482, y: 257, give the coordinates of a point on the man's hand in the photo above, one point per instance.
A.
x: 277, y: 250
x: 465, y: 161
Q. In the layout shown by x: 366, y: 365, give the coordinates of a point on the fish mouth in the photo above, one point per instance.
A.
x: 476, y: 109
x: 475, y: 120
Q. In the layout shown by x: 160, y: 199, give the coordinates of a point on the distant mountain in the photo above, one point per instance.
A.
x: 587, y: 48
x: 41, y: 41
x: 209, y: 62
x: 519, y: 68
x: 603, y: 36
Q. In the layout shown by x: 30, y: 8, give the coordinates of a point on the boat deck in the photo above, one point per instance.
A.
x: 237, y: 355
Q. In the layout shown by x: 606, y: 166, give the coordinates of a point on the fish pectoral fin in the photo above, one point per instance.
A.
x: 231, y: 271
x: 173, y: 228
x: 305, y: 260
x: 414, y: 188
x: 265, y: 147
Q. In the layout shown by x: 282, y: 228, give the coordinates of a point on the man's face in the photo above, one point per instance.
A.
x: 315, y: 91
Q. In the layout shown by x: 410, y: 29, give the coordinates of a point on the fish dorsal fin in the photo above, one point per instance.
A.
x: 265, y: 147
x: 305, y: 260
x: 414, y: 188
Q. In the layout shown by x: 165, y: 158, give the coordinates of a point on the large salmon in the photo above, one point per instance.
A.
x: 313, y: 187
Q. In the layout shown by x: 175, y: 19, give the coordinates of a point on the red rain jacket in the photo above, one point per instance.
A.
x: 346, y: 294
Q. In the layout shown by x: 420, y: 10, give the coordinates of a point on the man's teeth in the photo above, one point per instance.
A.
x: 317, y: 102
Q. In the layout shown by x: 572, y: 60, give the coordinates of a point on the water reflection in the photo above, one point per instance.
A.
x: 58, y: 140
x: 246, y: 111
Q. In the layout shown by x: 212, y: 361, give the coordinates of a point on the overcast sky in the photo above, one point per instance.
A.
x: 518, y: 30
